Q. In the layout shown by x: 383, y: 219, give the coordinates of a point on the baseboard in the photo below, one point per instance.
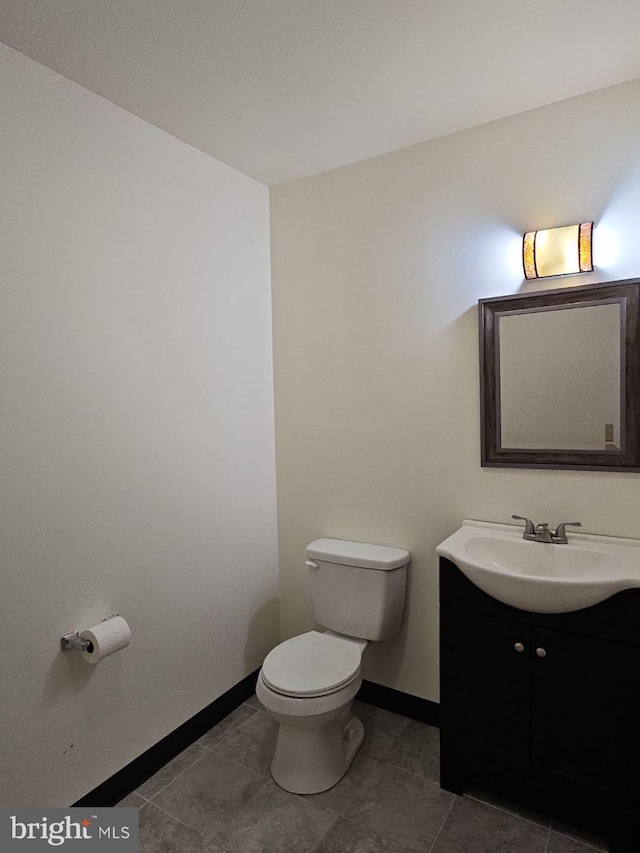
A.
x: 414, y: 707
x: 140, y: 769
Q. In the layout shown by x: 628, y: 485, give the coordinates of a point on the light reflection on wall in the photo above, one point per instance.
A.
x: 616, y: 247
x: 606, y: 247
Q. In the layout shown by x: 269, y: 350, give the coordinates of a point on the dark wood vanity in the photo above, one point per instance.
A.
x: 544, y: 709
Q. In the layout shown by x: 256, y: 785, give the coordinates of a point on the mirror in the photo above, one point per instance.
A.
x: 575, y: 351
x: 559, y: 378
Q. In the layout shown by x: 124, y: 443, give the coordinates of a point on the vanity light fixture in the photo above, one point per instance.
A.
x: 558, y: 251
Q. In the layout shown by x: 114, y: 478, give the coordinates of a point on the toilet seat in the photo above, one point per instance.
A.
x: 312, y: 664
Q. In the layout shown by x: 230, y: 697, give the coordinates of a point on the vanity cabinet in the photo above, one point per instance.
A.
x: 544, y: 708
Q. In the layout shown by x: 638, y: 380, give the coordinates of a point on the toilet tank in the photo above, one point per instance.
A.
x: 357, y: 589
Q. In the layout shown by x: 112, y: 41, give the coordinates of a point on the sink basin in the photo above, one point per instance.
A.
x: 538, y: 577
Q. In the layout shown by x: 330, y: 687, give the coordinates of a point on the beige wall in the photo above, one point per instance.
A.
x: 138, y: 472
x: 376, y: 271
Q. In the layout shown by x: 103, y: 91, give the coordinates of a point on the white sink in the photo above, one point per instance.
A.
x: 538, y: 577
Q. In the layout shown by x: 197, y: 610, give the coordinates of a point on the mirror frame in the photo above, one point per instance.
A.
x: 627, y: 293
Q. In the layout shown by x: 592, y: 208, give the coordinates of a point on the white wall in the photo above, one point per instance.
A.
x: 137, y: 435
x: 376, y: 272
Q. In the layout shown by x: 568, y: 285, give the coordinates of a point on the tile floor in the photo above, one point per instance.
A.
x: 217, y: 796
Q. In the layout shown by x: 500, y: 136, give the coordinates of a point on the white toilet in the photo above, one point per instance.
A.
x: 308, y: 682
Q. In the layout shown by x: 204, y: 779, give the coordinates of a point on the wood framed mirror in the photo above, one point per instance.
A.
x: 559, y: 378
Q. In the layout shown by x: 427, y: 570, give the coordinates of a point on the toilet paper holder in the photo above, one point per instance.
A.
x: 74, y: 641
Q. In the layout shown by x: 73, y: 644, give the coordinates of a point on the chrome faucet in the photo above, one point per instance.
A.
x: 541, y: 533
x: 560, y: 536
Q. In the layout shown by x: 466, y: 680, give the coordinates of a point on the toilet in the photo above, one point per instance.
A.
x: 307, y: 683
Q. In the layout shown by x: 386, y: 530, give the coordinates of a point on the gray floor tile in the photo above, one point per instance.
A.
x: 507, y: 806
x: 254, y: 702
x: 252, y: 744
x: 581, y: 835
x: 131, y: 801
x: 341, y: 795
x: 160, y: 833
x: 381, y: 729
x: 210, y: 794
x: 226, y: 726
x: 402, y: 805
x: 417, y: 749
x: 349, y: 837
x: 562, y: 844
x: 473, y: 827
x: 276, y: 822
x: 170, y: 771
x: 217, y: 797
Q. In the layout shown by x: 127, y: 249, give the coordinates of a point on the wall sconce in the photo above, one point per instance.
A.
x: 558, y: 251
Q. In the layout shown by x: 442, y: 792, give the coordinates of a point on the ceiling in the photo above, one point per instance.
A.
x: 280, y: 89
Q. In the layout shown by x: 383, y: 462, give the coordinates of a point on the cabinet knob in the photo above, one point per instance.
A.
x: 541, y: 652
x: 519, y: 647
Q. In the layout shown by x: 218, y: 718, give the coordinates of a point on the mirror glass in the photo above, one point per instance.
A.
x: 560, y: 378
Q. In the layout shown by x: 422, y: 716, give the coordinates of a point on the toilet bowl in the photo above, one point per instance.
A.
x: 307, y: 684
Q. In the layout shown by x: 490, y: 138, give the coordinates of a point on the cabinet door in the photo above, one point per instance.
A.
x: 485, y: 686
x: 585, y: 710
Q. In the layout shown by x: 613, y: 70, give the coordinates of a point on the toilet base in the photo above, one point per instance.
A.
x: 313, y: 758
x: 318, y: 736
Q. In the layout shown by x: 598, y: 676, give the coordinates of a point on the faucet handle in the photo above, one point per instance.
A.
x: 530, y: 529
x: 560, y: 536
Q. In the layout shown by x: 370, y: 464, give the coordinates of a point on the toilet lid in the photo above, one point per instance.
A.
x: 312, y: 664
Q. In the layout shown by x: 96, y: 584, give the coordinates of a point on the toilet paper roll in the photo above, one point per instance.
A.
x: 106, y: 638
